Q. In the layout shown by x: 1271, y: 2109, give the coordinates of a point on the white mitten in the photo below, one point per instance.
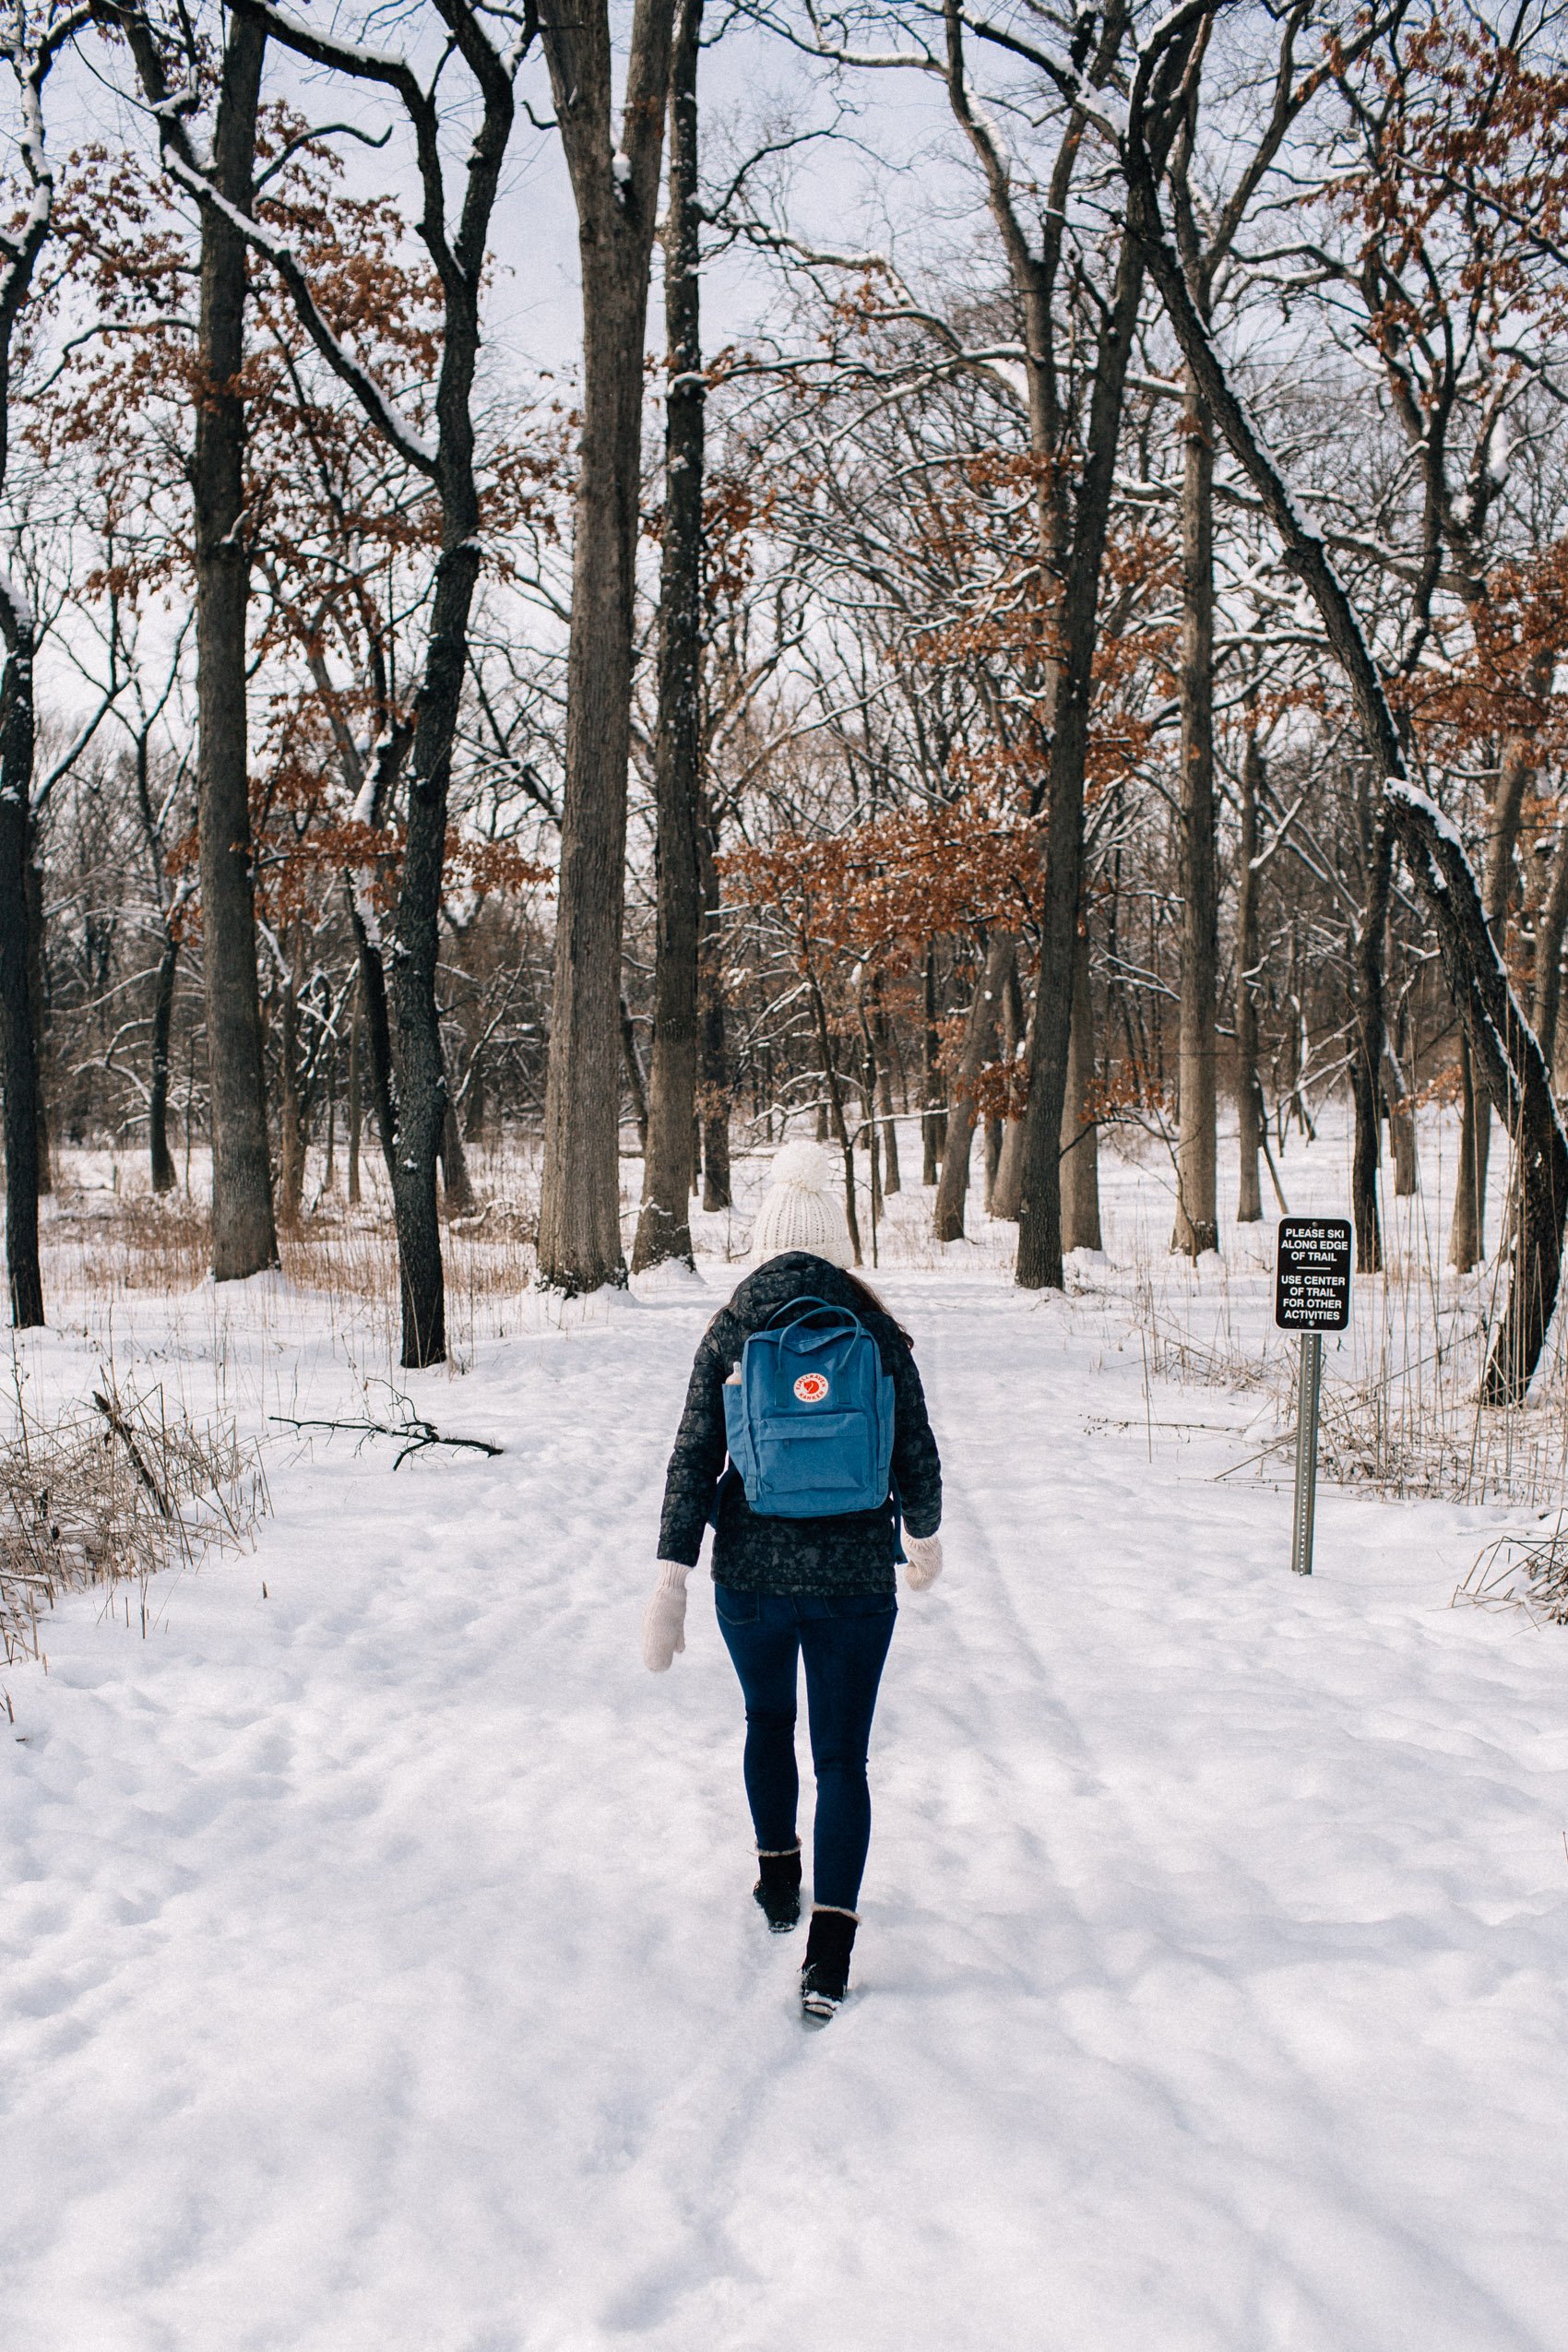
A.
x: 664, y: 1619
x: 922, y: 1561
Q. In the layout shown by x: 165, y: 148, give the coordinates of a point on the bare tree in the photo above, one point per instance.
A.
x: 1249, y: 1092
x: 31, y: 44
x: 1499, y: 1033
x: 615, y: 183
x: 409, y: 1071
x: 245, y: 1238
x: 664, y: 1227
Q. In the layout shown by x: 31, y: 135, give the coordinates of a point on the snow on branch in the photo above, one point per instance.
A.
x: 168, y: 107
x: 1094, y: 99
x: 17, y: 618
x: 831, y: 52
x: 74, y: 750
x: 1304, y: 551
x: 1399, y: 788
x: 355, y: 57
x: 378, y: 406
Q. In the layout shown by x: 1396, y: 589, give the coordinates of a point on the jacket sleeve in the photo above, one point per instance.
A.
x: 916, y: 1464
x: 697, y: 1461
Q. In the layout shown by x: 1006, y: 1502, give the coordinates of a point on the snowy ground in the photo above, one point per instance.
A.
x: 379, y: 1968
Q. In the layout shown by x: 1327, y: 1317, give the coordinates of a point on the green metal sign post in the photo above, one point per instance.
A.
x: 1309, y: 1382
x: 1311, y: 1295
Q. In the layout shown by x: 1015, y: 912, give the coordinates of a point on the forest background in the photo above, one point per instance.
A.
x: 1050, y: 624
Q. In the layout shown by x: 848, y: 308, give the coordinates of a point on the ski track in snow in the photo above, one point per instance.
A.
x: 380, y: 1968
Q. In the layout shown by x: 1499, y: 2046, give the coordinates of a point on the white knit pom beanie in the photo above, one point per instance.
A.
x: 803, y: 1209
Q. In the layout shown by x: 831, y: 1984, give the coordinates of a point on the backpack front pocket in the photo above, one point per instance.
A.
x: 826, y: 1453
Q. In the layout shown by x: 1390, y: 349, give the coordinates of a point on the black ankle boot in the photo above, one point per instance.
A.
x: 824, y: 1973
x: 778, y: 1891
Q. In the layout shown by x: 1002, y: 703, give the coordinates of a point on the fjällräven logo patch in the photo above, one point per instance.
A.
x: 811, y: 1388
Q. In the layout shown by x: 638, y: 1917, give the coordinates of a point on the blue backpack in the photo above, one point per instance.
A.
x: 809, y: 1421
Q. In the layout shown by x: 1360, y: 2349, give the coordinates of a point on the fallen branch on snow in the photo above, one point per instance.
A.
x: 416, y: 1434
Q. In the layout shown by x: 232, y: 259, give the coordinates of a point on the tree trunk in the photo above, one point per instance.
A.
x: 1467, y: 1247
x: 836, y: 1105
x: 162, y: 1160
x: 615, y: 187
x: 1368, y: 1036
x: 1401, y: 1124
x: 399, y: 1033
x: 1474, y: 1138
x: 1508, y: 1061
x: 329, y: 1173
x: 890, y: 1180
x: 1010, y: 1172
x: 579, y: 1233
x: 290, y: 1115
x: 1503, y: 835
x: 474, y: 1097
x: 420, y: 1065
x: 1467, y: 1231
x: 373, y: 1029
x: 245, y: 1239
x: 1550, y: 925
x: 1010, y: 1166
x: 1402, y: 1133
x: 998, y: 1129
x: 1068, y: 555
x: 873, y: 1151
x: 635, y: 1083
x: 32, y: 48
x: 1080, y: 1139
x: 18, y: 1065
x: 980, y: 1045
x: 1197, y: 1216
x: 1249, y: 1093
x: 1004, y: 1157
x: 934, y: 1124
x: 1366, y: 1102
x: 713, y: 1051
x: 1039, y: 1205
x: 38, y: 999
x: 455, y: 1181
x: 664, y: 1225
x: 356, y: 1109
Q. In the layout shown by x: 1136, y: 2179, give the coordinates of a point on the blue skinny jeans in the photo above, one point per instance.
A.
x: 844, y: 1641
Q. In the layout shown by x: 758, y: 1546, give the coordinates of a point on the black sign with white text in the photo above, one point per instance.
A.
x: 1311, y: 1288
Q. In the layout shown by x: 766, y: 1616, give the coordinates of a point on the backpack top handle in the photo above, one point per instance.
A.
x: 810, y: 1306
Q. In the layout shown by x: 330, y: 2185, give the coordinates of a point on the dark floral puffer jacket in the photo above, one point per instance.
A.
x: 851, y: 1553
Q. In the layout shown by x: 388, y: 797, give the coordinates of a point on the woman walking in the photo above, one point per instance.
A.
x: 821, y: 1587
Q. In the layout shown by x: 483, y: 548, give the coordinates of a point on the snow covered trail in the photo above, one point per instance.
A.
x: 380, y: 1972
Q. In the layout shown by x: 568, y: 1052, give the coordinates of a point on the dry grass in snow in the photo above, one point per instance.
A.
x: 110, y: 1490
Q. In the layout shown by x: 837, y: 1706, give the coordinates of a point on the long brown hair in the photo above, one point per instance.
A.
x: 874, y: 1305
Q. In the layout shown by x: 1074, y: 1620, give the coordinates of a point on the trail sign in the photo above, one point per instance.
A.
x: 1311, y: 1284
x: 1311, y: 1295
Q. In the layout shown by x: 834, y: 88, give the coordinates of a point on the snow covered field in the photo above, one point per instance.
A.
x: 379, y: 1968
